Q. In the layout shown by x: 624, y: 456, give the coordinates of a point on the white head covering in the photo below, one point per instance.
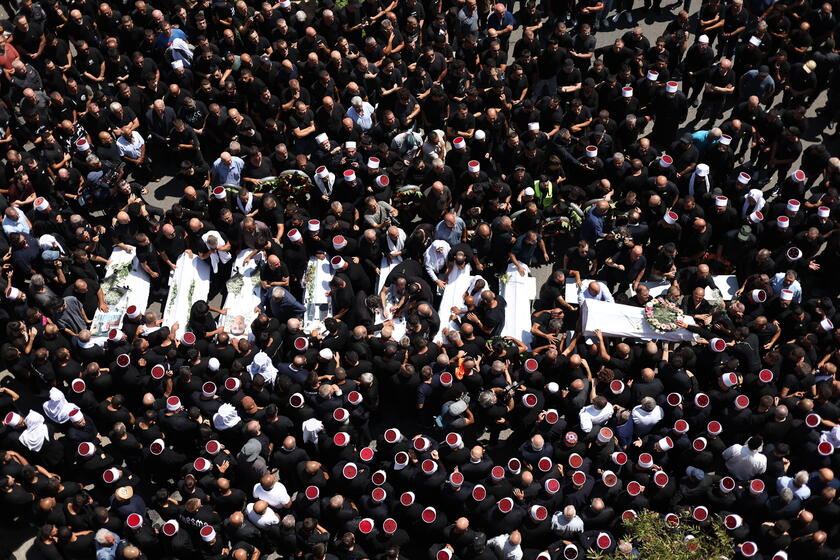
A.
x: 47, y: 242
x: 701, y: 175
x: 832, y: 436
x: 263, y: 367
x: 57, y: 408
x: 226, y: 417
x: 311, y: 428
x: 36, y: 432
x: 756, y: 195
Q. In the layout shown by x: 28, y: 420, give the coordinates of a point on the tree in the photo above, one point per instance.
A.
x: 655, y: 538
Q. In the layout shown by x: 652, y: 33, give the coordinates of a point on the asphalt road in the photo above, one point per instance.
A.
x: 653, y: 25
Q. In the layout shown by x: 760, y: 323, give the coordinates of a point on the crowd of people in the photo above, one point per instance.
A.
x: 429, y: 140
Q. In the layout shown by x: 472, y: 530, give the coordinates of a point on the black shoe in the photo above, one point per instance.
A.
x: 695, y: 103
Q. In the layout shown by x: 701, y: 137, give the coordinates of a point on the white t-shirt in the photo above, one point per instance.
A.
x: 277, y: 497
x: 506, y: 550
x: 263, y: 521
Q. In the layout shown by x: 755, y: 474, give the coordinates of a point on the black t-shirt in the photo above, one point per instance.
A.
x: 260, y: 171
x: 173, y: 248
x: 581, y: 263
x: 493, y: 318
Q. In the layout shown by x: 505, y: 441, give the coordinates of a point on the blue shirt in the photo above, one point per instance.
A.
x: 778, y: 284
x: 494, y: 22
x: 752, y: 85
x: 163, y: 40
x: 108, y: 552
x: 592, y: 228
x: 224, y: 174
x: 451, y: 236
x: 284, y: 309
x: 701, y: 140
x: 524, y: 252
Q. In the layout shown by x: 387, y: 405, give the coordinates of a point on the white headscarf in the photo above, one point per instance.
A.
x: 47, y: 242
x: 326, y: 185
x: 704, y: 181
x: 758, y: 196
x: 226, y: 417
x: 435, y: 261
x: 263, y: 367
x: 57, y: 408
x: 311, y: 429
x: 36, y: 432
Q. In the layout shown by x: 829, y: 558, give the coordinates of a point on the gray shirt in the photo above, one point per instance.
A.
x: 72, y: 317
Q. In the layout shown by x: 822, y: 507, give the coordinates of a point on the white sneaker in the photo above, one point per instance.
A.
x: 614, y: 18
x: 629, y: 17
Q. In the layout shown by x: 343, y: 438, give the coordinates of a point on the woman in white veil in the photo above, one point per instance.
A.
x: 57, y: 408
x: 36, y: 433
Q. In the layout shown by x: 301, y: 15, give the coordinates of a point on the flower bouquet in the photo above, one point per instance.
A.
x: 115, y: 284
x: 662, y: 315
x: 309, y: 282
x: 408, y: 197
x: 292, y: 184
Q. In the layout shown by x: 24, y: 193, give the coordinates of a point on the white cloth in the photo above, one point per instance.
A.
x: 36, y: 432
x: 703, y: 181
x: 397, y: 244
x: 138, y: 285
x: 744, y: 463
x: 758, y: 196
x: 518, y: 291
x: 457, y: 283
x: 181, y: 50
x: 832, y: 436
x: 226, y: 417
x: 57, y: 408
x: 48, y: 241
x: 436, y: 260
x: 589, y: 416
x: 504, y: 549
x: 325, y: 185
x: 644, y: 421
x: 263, y: 367
x: 216, y: 256
x: 311, y: 428
x: 190, y: 282
x: 614, y: 319
x: 277, y: 497
x: 248, y: 207
x: 263, y: 521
